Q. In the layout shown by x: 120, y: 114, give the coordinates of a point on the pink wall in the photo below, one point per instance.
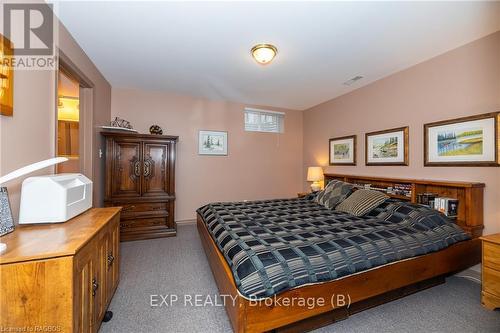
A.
x: 29, y: 136
x: 258, y: 165
x: 462, y: 82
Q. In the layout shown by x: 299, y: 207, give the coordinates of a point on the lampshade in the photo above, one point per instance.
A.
x: 314, y: 174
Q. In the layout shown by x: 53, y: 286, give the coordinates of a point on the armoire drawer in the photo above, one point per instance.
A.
x: 144, y: 223
x: 138, y: 210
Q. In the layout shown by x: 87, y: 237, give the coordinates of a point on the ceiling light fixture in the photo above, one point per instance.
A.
x: 264, y: 53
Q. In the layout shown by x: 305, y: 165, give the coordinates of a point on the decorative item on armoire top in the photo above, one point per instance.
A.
x: 467, y: 141
x: 212, y: 143
x: 388, y: 147
x: 155, y: 129
x: 6, y: 78
x: 119, y: 124
x: 343, y: 150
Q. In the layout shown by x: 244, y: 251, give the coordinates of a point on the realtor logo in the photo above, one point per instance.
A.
x: 30, y: 28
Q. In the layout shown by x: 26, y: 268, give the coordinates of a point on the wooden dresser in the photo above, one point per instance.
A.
x: 140, y: 177
x: 60, y: 277
x: 490, y: 294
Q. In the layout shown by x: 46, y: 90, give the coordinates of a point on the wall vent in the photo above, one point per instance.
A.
x: 353, y: 80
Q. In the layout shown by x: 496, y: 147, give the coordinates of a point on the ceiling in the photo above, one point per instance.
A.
x: 203, y: 48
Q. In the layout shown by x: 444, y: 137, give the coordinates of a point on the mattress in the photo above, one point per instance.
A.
x: 276, y: 245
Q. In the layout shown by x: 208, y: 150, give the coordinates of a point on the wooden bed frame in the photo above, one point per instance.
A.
x: 338, y: 299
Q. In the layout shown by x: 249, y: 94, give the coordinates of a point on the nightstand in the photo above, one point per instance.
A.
x: 490, y: 269
x: 302, y: 194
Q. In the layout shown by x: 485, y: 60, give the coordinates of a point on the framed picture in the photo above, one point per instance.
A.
x: 467, y: 141
x: 6, y: 78
x: 212, y: 143
x: 6, y: 221
x: 389, y: 147
x: 343, y: 150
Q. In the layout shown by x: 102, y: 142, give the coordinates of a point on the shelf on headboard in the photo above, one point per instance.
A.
x: 469, y: 194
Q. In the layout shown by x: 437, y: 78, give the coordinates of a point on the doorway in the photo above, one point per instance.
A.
x: 75, y: 135
x: 68, y: 123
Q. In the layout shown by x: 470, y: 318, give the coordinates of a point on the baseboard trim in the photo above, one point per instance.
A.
x: 186, y: 222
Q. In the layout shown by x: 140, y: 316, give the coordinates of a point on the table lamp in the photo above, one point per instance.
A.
x: 315, y: 174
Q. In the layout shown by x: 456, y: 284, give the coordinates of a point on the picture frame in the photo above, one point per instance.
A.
x: 6, y: 220
x: 342, y: 150
x: 212, y: 143
x: 387, y: 147
x: 6, y: 78
x: 465, y: 141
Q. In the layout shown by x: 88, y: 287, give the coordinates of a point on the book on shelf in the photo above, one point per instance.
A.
x: 397, y: 189
x: 447, y: 206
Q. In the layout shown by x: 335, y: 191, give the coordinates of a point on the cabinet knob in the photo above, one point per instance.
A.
x: 95, y: 286
x: 111, y: 259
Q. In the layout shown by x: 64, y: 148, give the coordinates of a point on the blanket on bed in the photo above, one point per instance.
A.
x: 276, y: 245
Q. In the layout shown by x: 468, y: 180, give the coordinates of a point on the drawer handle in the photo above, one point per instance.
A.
x: 95, y: 286
x: 128, y: 208
x: 111, y: 259
x: 137, y: 168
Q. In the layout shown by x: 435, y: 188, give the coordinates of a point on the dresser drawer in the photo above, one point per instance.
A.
x: 491, y: 255
x: 137, y: 210
x: 491, y: 281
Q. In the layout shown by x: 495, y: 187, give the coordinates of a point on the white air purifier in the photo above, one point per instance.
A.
x: 54, y: 198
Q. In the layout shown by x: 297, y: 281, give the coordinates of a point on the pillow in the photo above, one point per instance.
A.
x: 361, y: 202
x: 334, y: 193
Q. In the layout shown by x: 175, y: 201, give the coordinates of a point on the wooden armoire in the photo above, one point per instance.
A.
x: 140, y: 177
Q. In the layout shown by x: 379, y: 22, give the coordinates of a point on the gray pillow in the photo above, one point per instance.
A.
x: 334, y: 193
x: 361, y: 202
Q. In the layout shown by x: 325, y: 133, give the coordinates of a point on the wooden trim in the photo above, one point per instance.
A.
x: 406, y: 136
x: 70, y: 69
x: 496, y: 162
x: 246, y: 316
x: 451, y: 183
x: 138, y: 135
x: 354, y: 137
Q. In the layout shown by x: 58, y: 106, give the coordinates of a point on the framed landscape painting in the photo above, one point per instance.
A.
x: 343, y: 150
x: 389, y: 147
x: 468, y: 141
x: 212, y: 143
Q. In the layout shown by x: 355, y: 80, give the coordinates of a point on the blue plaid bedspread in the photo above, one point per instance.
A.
x: 276, y: 245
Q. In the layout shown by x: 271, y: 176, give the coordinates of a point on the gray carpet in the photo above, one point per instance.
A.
x: 179, y: 266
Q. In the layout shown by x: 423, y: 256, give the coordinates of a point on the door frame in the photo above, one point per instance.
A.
x: 86, y: 102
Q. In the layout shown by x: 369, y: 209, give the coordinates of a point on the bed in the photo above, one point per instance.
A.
x: 293, y: 265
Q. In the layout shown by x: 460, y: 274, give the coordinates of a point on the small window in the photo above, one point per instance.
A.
x: 264, y: 121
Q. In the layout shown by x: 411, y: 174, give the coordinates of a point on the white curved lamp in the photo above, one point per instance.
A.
x: 5, y: 212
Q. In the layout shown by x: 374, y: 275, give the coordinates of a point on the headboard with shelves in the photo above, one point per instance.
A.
x: 469, y: 194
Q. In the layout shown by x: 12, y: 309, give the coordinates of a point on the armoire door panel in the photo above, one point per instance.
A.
x: 127, y: 169
x: 155, y: 171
